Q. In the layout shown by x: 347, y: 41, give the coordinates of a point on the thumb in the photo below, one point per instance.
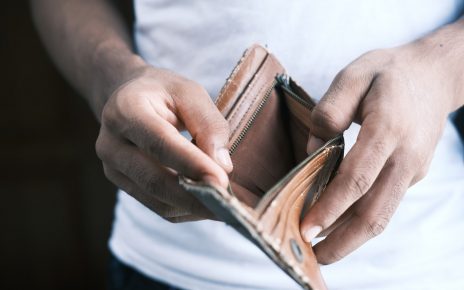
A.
x: 206, y: 124
x: 338, y: 107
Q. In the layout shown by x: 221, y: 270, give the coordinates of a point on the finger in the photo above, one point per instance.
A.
x: 337, y: 109
x: 148, y: 175
x: 161, y: 140
x: 371, y: 215
x: 205, y: 123
x: 169, y: 213
x: 345, y: 217
x: 150, y: 201
x: 183, y: 219
x: 356, y: 174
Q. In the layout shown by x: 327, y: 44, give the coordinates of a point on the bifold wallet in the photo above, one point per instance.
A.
x: 274, y: 181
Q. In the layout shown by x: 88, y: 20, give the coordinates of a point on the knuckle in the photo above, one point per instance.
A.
x: 357, y: 185
x: 197, y: 88
x: 375, y: 54
x: 185, y: 87
x: 386, y: 125
x: 414, y: 157
x: 420, y: 174
x: 331, y: 257
x: 329, y: 214
x: 393, y: 63
x: 346, y: 75
x: 419, y: 164
x: 101, y: 148
x: 193, y: 86
x: 327, y: 117
x: 397, y: 192
x: 351, y: 76
x: 215, y: 124
x: 393, y: 76
x: 375, y: 226
x: 218, y: 129
x: 139, y: 174
x: 381, y: 129
x: 109, y: 118
x: 379, y: 148
x: 159, y: 145
x: 214, y: 131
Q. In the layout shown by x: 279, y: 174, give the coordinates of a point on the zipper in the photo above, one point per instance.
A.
x: 252, y: 119
x: 284, y: 82
x: 281, y: 80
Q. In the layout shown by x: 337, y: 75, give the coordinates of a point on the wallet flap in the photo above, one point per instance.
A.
x: 274, y: 225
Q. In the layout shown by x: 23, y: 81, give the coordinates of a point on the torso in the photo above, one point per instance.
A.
x: 202, y: 40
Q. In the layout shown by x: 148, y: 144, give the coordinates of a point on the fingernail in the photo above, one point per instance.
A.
x: 223, y: 157
x: 314, y: 143
x: 310, y: 234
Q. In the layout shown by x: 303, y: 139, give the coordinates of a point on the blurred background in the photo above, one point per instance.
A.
x: 56, y: 205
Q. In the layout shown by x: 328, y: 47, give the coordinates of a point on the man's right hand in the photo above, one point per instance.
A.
x: 143, y: 152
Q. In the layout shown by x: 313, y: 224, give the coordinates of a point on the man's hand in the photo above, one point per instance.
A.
x: 142, y: 149
x: 401, y: 97
x: 139, y: 142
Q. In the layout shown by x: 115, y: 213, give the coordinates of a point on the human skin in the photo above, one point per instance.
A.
x: 141, y: 108
x: 401, y: 97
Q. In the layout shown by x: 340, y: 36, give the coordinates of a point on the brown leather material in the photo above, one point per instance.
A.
x: 273, y: 180
x: 240, y: 77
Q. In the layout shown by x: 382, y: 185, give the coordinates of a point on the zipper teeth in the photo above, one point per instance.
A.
x: 284, y: 82
x: 297, y: 98
x: 252, y: 119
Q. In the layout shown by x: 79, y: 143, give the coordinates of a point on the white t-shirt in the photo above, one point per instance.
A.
x: 202, y: 40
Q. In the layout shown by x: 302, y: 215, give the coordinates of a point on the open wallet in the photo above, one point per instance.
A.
x: 274, y: 181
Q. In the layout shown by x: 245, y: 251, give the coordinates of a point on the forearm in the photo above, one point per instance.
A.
x: 90, y: 45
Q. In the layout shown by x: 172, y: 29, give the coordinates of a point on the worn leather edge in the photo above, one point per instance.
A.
x: 229, y: 209
x: 248, y: 102
x: 241, y: 75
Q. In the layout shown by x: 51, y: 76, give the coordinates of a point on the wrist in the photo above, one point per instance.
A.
x: 442, y: 53
x: 115, y: 66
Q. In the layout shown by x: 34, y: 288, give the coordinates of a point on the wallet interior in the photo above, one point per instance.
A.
x: 274, y: 181
x: 270, y: 143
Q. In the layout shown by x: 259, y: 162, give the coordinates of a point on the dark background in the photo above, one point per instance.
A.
x: 55, y: 204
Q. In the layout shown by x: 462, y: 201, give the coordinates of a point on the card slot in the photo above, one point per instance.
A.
x: 285, y: 140
x: 294, y: 248
x: 249, y: 101
x: 284, y: 193
x: 245, y: 195
x: 295, y: 191
x: 265, y: 154
x: 299, y: 136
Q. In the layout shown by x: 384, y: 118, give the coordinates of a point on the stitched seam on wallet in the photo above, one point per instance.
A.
x: 232, y: 75
x: 259, y: 76
x: 230, y: 78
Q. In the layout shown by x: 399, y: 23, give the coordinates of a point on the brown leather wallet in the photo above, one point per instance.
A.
x: 274, y: 182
